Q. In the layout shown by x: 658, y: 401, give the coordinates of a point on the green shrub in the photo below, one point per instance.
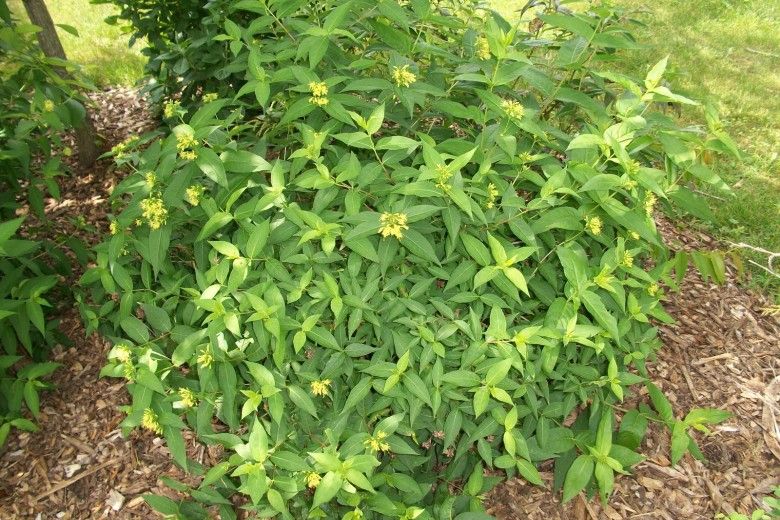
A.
x: 410, y: 247
x: 37, y: 105
x: 28, y: 328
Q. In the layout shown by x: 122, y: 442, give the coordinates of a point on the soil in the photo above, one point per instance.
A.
x: 723, y: 352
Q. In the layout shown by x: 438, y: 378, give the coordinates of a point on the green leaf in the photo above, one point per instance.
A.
x: 210, y: 164
x: 577, y: 477
x: 419, y: 245
x: 302, y: 400
x: 135, y: 329
x: 214, y: 223
x: 330, y: 485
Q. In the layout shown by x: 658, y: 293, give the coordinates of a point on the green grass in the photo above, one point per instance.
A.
x: 101, y: 49
x: 725, y: 53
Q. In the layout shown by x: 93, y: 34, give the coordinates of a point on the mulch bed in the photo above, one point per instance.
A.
x: 724, y: 352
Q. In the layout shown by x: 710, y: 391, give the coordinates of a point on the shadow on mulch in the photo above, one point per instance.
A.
x: 722, y: 352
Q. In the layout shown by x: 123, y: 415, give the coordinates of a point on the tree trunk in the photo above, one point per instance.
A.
x: 52, y: 47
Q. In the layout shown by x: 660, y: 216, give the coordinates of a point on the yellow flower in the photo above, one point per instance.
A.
x: 128, y: 371
x: 153, y: 210
x: 48, y: 106
x: 205, y: 359
x: 634, y: 235
x: 194, y: 193
x: 512, y: 108
x: 151, y: 422
x: 151, y: 179
x: 187, y: 397
x: 650, y: 200
x: 393, y: 224
x: 653, y: 289
x: 377, y: 442
x: 185, y: 140
x: 443, y: 175
x: 492, y: 193
x: 594, y: 225
x: 113, y: 227
x: 320, y: 387
x: 318, y: 89
x: 628, y: 260
x: 319, y: 101
x: 123, y: 353
x: 211, y: 96
x: 483, y: 48
x: 188, y: 155
x: 313, y: 479
x: 629, y: 184
x: 170, y: 108
x: 603, y: 279
x: 403, y: 77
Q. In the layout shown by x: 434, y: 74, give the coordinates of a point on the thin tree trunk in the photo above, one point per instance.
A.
x: 52, y: 47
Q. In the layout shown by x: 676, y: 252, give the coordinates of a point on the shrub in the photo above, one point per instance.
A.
x: 411, y: 248
x: 27, y: 325
x: 38, y: 106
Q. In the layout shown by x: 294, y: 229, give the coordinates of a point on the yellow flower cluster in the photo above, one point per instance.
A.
x: 151, y: 179
x: 123, y: 353
x: 194, y: 193
x: 211, y: 96
x: 318, y: 89
x: 653, y: 289
x: 205, y: 359
x: 603, y: 279
x: 319, y: 94
x: 120, y: 149
x: 67, y: 151
x: 377, y: 442
x: 48, y: 106
x: 492, y: 193
x: 320, y: 387
x: 153, y: 210
x: 151, y: 422
x: 113, y: 227
x: 634, y: 235
x: 170, y: 108
x: 594, y: 225
x: 393, y: 224
x: 628, y: 260
x: 443, y: 175
x: 403, y: 77
x: 512, y: 108
x: 187, y: 397
x: 650, y: 200
x: 313, y: 479
x: 629, y: 184
x: 184, y: 143
x: 483, y: 48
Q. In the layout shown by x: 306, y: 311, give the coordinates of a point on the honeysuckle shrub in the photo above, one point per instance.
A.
x: 427, y: 263
x: 37, y: 105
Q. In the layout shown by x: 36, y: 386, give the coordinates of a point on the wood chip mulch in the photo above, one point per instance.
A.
x: 723, y: 352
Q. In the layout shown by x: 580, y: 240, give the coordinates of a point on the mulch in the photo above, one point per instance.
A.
x: 723, y: 352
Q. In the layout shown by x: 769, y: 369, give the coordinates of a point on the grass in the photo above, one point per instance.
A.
x: 101, y: 49
x: 725, y: 53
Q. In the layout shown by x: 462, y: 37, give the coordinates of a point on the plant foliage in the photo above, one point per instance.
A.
x: 386, y: 248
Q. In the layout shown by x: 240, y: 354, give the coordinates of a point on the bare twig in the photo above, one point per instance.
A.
x: 65, y: 483
x: 771, y: 257
x: 762, y: 53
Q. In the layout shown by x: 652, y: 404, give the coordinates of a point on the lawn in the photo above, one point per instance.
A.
x: 725, y: 53
x: 100, y: 48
